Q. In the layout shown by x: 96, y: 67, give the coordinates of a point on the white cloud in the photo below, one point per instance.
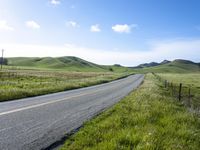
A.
x: 32, y: 24
x: 95, y: 28
x: 72, y: 24
x: 55, y: 2
x: 158, y: 51
x: 4, y: 26
x: 123, y: 28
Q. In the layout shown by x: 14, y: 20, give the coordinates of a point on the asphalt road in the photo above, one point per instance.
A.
x: 38, y: 122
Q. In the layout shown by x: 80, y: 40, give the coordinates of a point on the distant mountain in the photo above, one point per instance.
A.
x: 176, y: 66
x: 63, y: 63
x: 165, y: 62
x: 151, y: 64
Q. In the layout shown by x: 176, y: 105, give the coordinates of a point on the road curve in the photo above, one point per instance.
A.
x: 36, y: 123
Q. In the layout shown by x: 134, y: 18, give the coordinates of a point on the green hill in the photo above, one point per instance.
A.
x: 176, y: 66
x: 62, y: 63
x: 70, y: 63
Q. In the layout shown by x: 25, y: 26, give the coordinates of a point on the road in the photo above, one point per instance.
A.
x: 38, y: 122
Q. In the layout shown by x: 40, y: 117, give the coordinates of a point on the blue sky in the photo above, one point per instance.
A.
x: 126, y: 32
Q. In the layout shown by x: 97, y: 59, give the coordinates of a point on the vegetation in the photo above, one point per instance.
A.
x: 189, y: 81
x: 67, y: 63
x: 31, y: 76
x: 176, y: 66
x: 15, y: 84
x: 148, y: 118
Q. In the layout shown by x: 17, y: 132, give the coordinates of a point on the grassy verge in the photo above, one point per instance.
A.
x: 15, y: 84
x: 146, y: 119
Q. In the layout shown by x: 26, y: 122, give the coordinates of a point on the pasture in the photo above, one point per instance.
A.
x: 190, y: 92
x: 21, y: 83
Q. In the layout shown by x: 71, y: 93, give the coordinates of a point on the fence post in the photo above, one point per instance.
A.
x: 172, y: 89
x: 179, y: 94
x: 165, y: 83
x: 189, y: 96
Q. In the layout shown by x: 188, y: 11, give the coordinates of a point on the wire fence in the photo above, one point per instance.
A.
x: 187, y: 95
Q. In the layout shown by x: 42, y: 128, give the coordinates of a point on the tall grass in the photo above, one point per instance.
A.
x: 17, y: 84
x: 189, y: 79
x: 190, y: 82
x: 148, y: 118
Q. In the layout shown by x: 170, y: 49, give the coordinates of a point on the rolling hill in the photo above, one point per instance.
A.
x: 176, y: 66
x: 152, y: 64
x: 69, y: 63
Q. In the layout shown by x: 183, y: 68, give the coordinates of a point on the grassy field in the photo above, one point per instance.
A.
x: 190, y: 80
x: 148, y: 118
x: 20, y: 83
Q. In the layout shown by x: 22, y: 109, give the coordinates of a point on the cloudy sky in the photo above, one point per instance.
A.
x: 127, y: 32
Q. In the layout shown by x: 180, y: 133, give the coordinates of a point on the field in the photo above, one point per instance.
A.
x: 189, y: 81
x: 20, y: 83
x: 148, y: 118
x: 176, y: 66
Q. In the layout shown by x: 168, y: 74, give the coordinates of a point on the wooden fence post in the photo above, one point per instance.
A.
x: 189, y: 97
x: 179, y: 94
x: 172, y: 89
x: 165, y: 83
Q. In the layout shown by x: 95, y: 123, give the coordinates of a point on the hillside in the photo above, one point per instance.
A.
x: 69, y: 63
x: 176, y: 66
x: 152, y: 64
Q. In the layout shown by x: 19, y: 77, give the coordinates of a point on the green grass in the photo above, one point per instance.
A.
x: 67, y: 63
x: 177, y: 66
x: 189, y: 80
x: 19, y: 83
x: 148, y: 118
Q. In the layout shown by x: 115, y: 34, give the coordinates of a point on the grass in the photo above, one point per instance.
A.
x: 189, y: 80
x: 176, y: 66
x: 148, y: 118
x: 19, y: 83
x: 67, y: 63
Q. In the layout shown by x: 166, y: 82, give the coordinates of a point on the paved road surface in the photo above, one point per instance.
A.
x: 36, y: 123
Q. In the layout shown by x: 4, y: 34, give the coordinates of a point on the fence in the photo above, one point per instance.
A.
x: 187, y: 95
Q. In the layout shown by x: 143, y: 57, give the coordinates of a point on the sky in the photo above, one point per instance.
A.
x: 126, y: 32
